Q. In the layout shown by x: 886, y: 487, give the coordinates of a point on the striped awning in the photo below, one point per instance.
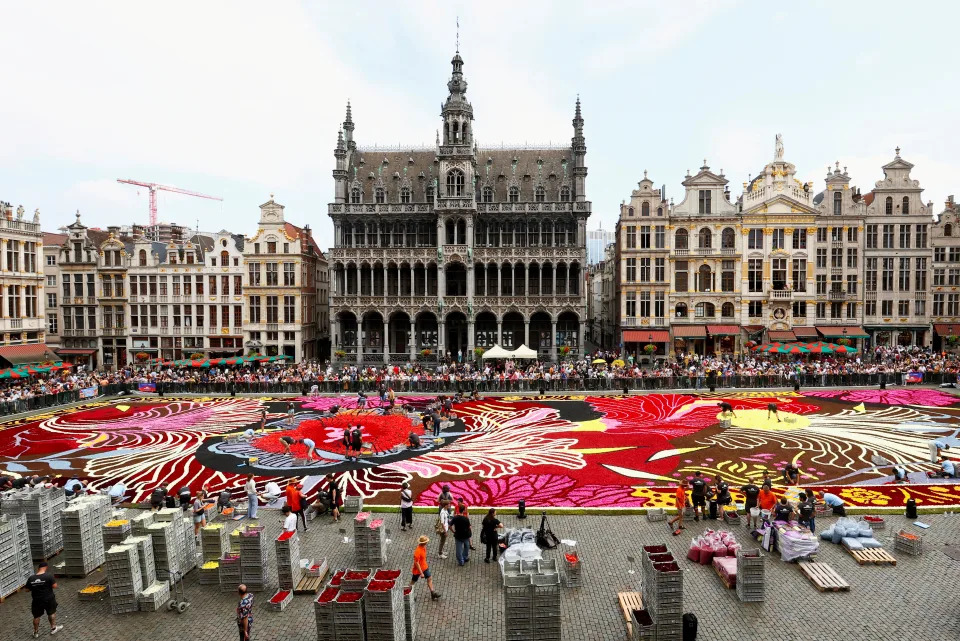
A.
x: 805, y: 332
x: 27, y: 354
x: 646, y: 336
x: 689, y: 331
x: 723, y: 330
x: 781, y: 335
x: 837, y: 331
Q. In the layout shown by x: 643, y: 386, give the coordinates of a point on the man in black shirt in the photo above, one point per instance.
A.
x: 782, y: 511
x: 41, y: 586
x: 807, y: 512
x: 698, y: 495
x: 723, y: 492
x: 750, y: 494
x: 460, y: 526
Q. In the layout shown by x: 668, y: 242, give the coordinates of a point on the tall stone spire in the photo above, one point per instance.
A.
x: 457, y: 112
x: 340, y: 171
x: 348, y: 129
x: 578, y: 145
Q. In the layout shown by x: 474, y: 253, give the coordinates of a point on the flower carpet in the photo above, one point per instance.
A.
x: 608, y: 452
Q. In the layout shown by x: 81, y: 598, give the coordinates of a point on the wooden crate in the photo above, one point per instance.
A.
x: 629, y: 601
x: 823, y: 577
x: 873, y: 556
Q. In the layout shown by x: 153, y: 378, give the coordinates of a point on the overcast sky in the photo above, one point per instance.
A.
x: 241, y: 100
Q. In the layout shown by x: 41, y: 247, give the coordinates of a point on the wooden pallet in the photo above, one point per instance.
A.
x: 872, y: 556
x: 723, y: 579
x: 629, y: 601
x: 22, y: 588
x: 823, y: 577
x: 311, y: 584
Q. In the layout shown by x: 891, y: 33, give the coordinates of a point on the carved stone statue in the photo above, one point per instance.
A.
x: 20, y: 212
x: 439, y: 254
x: 778, y: 153
x: 36, y: 215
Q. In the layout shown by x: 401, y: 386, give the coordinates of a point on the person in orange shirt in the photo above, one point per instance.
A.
x: 681, y: 498
x: 420, y: 567
x: 767, y: 500
x: 295, y: 500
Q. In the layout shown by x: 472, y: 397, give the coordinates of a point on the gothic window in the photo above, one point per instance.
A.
x: 948, y: 230
x: 645, y: 209
x: 564, y: 194
x: 355, y: 195
x: 488, y: 194
x: 380, y: 195
x: 539, y: 194
x: 838, y: 203
x: 889, y: 206
x: 681, y: 239
x: 455, y: 183
x: 514, y: 194
x: 429, y: 193
x: 404, y: 194
x: 906, y: 206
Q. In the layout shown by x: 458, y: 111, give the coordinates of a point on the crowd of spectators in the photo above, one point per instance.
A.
x: 602, y: 369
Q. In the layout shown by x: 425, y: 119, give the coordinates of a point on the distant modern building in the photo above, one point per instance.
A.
x: 597, y: 241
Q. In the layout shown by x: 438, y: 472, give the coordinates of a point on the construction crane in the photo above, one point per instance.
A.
x: 154, y: 188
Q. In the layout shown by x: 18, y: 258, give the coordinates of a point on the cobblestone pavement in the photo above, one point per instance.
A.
x: 915, y: 600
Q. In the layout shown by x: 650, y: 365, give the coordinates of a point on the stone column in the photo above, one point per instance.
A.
x: 441, y: 339
x: 412, y: 339
x: 580, y: 343
x: 553, y: 340
x: 526, y: 332
x: 468, y: 357
x: 499, y: 332
x: 413, y: 280
x: 499, y: 278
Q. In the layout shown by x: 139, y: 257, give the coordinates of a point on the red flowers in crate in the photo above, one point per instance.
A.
x: 349, y: 597
x: 386, y: 575
x: 380, y: 586
x: 280, y: 596
x: 328, y: 595
x: 381, y: 432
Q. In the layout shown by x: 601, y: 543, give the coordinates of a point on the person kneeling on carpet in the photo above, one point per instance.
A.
x: 414, y: 441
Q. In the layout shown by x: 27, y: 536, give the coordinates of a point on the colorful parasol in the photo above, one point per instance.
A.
x: 820, y: 347
x: 781, y: 348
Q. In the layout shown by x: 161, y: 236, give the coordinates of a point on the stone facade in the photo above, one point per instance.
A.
x: 780, y: 262
x: 21, y: 277
x: 945, y: 277
x: 442, y: 249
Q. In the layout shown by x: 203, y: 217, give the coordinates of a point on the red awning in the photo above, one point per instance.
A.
x: 947, y: 329
x: 723, y: 330
x: 83, y: 352
x: 802, y: 331
x: 648, y: 336
x: 27, y: 354
x: 689, y: 331
x: 752, y: 329
x: 781, y: 335
x: 837, y: 331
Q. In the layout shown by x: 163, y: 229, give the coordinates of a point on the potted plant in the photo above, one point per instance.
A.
x: 478, y: 352
x: 141, y: 356
x: 424, y: 353
x: 196, y: 356
x: 650, y: 348
x: 565, y: 350
x: 953, y: 340
x: 846, y: 342
x: 339, y: 353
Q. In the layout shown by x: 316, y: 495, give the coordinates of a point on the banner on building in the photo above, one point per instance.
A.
x: 88, y: 392
x: 147, y: 387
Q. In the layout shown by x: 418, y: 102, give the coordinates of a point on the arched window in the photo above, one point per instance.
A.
x: 404, y: 194
x: 728, y: 238
x: 143, y: 257
x: 681, y: 310
x: 906, y: 205
x: 704, y: 279
x: 727, y: 310
x: 539, y: 194
x: 645, y: 209
x: 704, y: 310
x: 630, y: 211
x: 889, y: 206
x: 380, y: 195
x: 355, y: 196
x: 455, y: 182
x: 681, y: 239
x: 705, y: 239
x: 948, y: 230
x: 564, y: 194
x: 837, y: 203
x: 659, y: 211
x: 224, y: 259
x: 514, y: 195
x: 488, y: 194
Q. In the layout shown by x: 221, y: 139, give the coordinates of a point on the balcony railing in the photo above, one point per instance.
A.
x: 16, y: 323
x: 781, y: 294
x: 705, y: 251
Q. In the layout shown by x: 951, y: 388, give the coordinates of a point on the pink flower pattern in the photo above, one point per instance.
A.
x: 545, y: 490
x: 906, y: 396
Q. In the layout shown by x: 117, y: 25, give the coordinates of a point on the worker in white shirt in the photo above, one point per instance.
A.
x: 289, y: 519
x: 250, y: 487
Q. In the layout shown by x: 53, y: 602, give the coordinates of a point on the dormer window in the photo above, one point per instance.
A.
x: 404, y: 194
x: 645, y: 209
x: 429, y: 193
x: 539, y: 194
x: 514, y: 195
x: 143, y: 257
x: 379, y: 195
x: 837, y: 203
x: 705, y: 204
x: 564, y: 194
x: 906, y: 206
x: 888, y: 209
x: 455, y: 183
x: 487, y: 195
x: 355, y: 196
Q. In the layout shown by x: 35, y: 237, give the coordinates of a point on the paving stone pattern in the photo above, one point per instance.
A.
x: 915, y: 600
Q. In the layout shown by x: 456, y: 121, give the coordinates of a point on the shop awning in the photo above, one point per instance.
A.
x: 781, y: 335
x: 723, y: 330
x: 947, y: 329
x: 852, y: 331
x: 802, y: 331
x: 649, y: 336
x: 752, y: 329
x: 689, y: 331
x: 70, y: 350
x: 26, y: 354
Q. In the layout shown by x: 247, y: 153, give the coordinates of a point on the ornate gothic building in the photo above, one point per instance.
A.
x: 453, y: 246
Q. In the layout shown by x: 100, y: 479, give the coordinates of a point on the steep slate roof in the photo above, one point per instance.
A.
x: 51, y: 239
x: 295, y: 232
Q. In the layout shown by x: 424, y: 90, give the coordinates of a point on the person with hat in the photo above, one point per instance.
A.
x: 420, y: 567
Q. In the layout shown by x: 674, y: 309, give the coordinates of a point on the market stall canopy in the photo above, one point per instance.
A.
x: 781, y: 348
x: 524, y: 352
x: 27, y: 354
x: 723, y: 330
x: 689, y: 331
x: 496, y: 352
x: 820, y: 347
x: 805, y: 331
x: 648, y: 336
